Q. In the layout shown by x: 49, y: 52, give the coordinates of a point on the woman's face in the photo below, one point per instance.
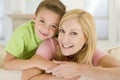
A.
x: 71, y: 38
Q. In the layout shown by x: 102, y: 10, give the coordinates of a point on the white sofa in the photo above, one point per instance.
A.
x: 16, y: 75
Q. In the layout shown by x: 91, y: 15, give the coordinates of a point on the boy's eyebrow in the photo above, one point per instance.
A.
x: 56, y: 24
x: 41, y: 17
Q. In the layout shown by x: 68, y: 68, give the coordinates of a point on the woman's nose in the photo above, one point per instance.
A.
x: 66, y: 38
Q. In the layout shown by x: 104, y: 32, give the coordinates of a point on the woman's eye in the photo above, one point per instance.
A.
x: 61, y: 31
x: 74, y: 33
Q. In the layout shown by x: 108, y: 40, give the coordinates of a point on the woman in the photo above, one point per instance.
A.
x: 77, y: 40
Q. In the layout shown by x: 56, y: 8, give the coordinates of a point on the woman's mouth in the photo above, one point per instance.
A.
x: 67, y: 46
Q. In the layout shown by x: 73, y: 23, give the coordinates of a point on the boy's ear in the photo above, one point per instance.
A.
x: 34, y: 17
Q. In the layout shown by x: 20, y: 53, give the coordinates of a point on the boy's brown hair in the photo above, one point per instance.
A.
x: 54, y: 5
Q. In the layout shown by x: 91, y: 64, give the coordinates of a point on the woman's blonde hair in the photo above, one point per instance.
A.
x: 89, y: 30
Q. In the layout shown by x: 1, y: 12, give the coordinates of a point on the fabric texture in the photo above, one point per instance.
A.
x: 24, y: 42
x: 47, y: 49
x: 114, y: 52
x: 2, y: 55
x: 98, y: 55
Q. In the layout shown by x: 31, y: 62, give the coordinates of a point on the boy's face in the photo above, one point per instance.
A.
x: 46, y: 23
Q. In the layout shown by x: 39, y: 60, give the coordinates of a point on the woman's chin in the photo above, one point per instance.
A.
x: 66, y: 54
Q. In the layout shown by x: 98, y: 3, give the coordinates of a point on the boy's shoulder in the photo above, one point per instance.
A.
x: 26, y: 26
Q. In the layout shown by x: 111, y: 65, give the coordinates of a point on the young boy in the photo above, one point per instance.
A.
x: 27, y: 37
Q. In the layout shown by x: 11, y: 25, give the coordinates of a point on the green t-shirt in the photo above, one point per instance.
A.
x: 23, y: 42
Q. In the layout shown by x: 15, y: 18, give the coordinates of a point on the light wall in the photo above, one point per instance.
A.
x: 29, y: 6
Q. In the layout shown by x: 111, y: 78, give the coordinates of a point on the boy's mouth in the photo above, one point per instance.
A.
x: 42, y: 33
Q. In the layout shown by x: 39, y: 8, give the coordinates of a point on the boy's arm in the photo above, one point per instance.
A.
x: 12, y: 63
x: 42, y: 63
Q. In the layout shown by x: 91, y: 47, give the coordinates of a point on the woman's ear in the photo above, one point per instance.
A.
x: 34, y: 17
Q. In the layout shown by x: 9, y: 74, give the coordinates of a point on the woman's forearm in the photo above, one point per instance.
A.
x: 100, y: 73
x: 29, y: 73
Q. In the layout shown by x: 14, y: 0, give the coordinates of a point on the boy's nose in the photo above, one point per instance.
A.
x: 47, y: 28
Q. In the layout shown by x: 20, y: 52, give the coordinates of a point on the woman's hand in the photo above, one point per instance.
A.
x: 65, y: 69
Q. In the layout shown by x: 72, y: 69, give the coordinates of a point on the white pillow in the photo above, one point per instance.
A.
x: 2, y: 55
x: 115, y: 52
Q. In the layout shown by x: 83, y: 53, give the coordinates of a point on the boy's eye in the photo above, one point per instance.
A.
x: 42, y: 21
x: 54, y: 26
x: 74, y: 33
x: 61, y: 31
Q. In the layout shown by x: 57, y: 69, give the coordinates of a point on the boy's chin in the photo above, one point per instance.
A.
x: 42, y: 38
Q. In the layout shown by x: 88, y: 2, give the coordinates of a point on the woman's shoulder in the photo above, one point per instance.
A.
x: 47, y: 49
x: 98, y: 54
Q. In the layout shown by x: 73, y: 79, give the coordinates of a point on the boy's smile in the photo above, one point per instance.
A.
x: 46, y: 23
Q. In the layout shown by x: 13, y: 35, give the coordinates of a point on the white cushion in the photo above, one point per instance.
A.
x: 2, y: 55
x: 115, y: 52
